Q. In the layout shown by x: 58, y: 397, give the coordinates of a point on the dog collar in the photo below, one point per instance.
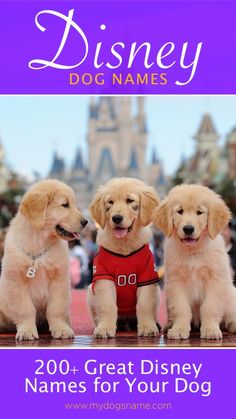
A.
x: 32, y: 270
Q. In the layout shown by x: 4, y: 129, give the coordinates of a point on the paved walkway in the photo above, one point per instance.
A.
x: 81, y: 320
x: 83, y: 327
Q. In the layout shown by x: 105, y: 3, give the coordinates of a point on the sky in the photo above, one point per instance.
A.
x: 32, y: 127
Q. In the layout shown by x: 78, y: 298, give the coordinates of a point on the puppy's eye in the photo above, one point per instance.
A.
x: 180, y: 211
x: 110, y: 202
x: 129, y: 201
x: 199, y: 212
x: 66, y: 205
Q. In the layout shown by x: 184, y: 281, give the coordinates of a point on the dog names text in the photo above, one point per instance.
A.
x: 132, y: 377
x: 118, y: 55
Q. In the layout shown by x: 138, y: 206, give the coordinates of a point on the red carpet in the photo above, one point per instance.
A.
x: 80, y: 316
x: 83, y: 328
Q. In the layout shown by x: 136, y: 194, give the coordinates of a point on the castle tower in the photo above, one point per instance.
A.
x: 57, y: 170
x: 161, y: 182
x: 154, y: 168
x: 79, y: 179
x: 141, y: 136
x: 4, y: 172
x: 117, y: 145
x: 102, y: 139
x: 232, y: 154
x: 78, y: 167
x: 206, y: 137
x: 141, y: 117
x: 133, y: 167
x: 156, y: 177
x: 205, y: 162
x: 116, y: 138
x: 207, y: 146
x: 125, y: 130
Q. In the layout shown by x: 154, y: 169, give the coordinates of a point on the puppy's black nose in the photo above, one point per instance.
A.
x: 83, y: 222
x: 188, y: 230
x: 117, y: 219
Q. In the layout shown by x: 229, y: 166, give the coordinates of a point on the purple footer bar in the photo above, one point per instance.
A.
x: 121, y: 383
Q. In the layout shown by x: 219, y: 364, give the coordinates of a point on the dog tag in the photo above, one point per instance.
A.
x: 31, y: 272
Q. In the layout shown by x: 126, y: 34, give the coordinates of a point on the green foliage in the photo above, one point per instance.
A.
x: 9, y: 202
x: 227, y: 189
x: 178, y: 177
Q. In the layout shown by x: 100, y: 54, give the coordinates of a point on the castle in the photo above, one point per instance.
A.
x: 210, y: 163
x: 4, y: 171
x: 117, y: 143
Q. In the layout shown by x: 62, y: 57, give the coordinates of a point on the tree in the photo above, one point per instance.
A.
x: 9, y: 202
x: 227, y: 189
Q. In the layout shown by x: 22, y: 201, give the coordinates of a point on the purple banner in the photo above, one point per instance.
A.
x: 78, y: 47
x: 85, y: 383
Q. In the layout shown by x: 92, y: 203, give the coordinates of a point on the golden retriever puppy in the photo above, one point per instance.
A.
x: 124, y: 282
x: 34, y: 285
x: 199, y: 286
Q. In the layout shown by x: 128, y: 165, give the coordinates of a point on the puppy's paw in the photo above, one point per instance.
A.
x: 211, y: 332
x: 104, y: 332
x: 167, y: 326
x: 27, y: 333
x: 62, y: 332
x: 148, y: 330
x: 231, y: 327
x: 178, y: 333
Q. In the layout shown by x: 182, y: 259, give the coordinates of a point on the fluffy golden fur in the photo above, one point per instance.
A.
x: 47, y: 214
x: 134, y: 202
x: 199, y: 286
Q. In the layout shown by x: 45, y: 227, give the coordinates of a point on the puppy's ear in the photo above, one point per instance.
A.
x: 148, y: 202
x: 33, y: 206
x: 163, y: 218
x: 97, y: 208
x: 218, y: 216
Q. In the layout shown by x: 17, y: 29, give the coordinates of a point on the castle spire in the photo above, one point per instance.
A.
x: 206, y: 137
x: 2, y: 152
x: 78, y: 163
x: 231, y: 149
x: 162, y: 179
x: 206, y: 126
x: 141, y: 117
x: 92, y: 108
x: 105, y: 169
x: 125, y: 107
x: 4, y: 171
x: 140, y: 103
x: 204, y: 164
x: 154, y: 159
x: 106, y: 108
x: 58, y: 165
x: 133, y: 165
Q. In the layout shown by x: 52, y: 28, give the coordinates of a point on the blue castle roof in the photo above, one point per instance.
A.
x: 133, y: 165
x: 154, y: 159
x: 78, y: 163
x: 58, y: 165
x: 105, y: 163
x: 95, y: 108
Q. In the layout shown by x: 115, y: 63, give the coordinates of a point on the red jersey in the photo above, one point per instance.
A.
x: 128, y: 273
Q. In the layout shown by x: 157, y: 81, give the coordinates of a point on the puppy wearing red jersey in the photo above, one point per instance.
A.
x: 125, y: 279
